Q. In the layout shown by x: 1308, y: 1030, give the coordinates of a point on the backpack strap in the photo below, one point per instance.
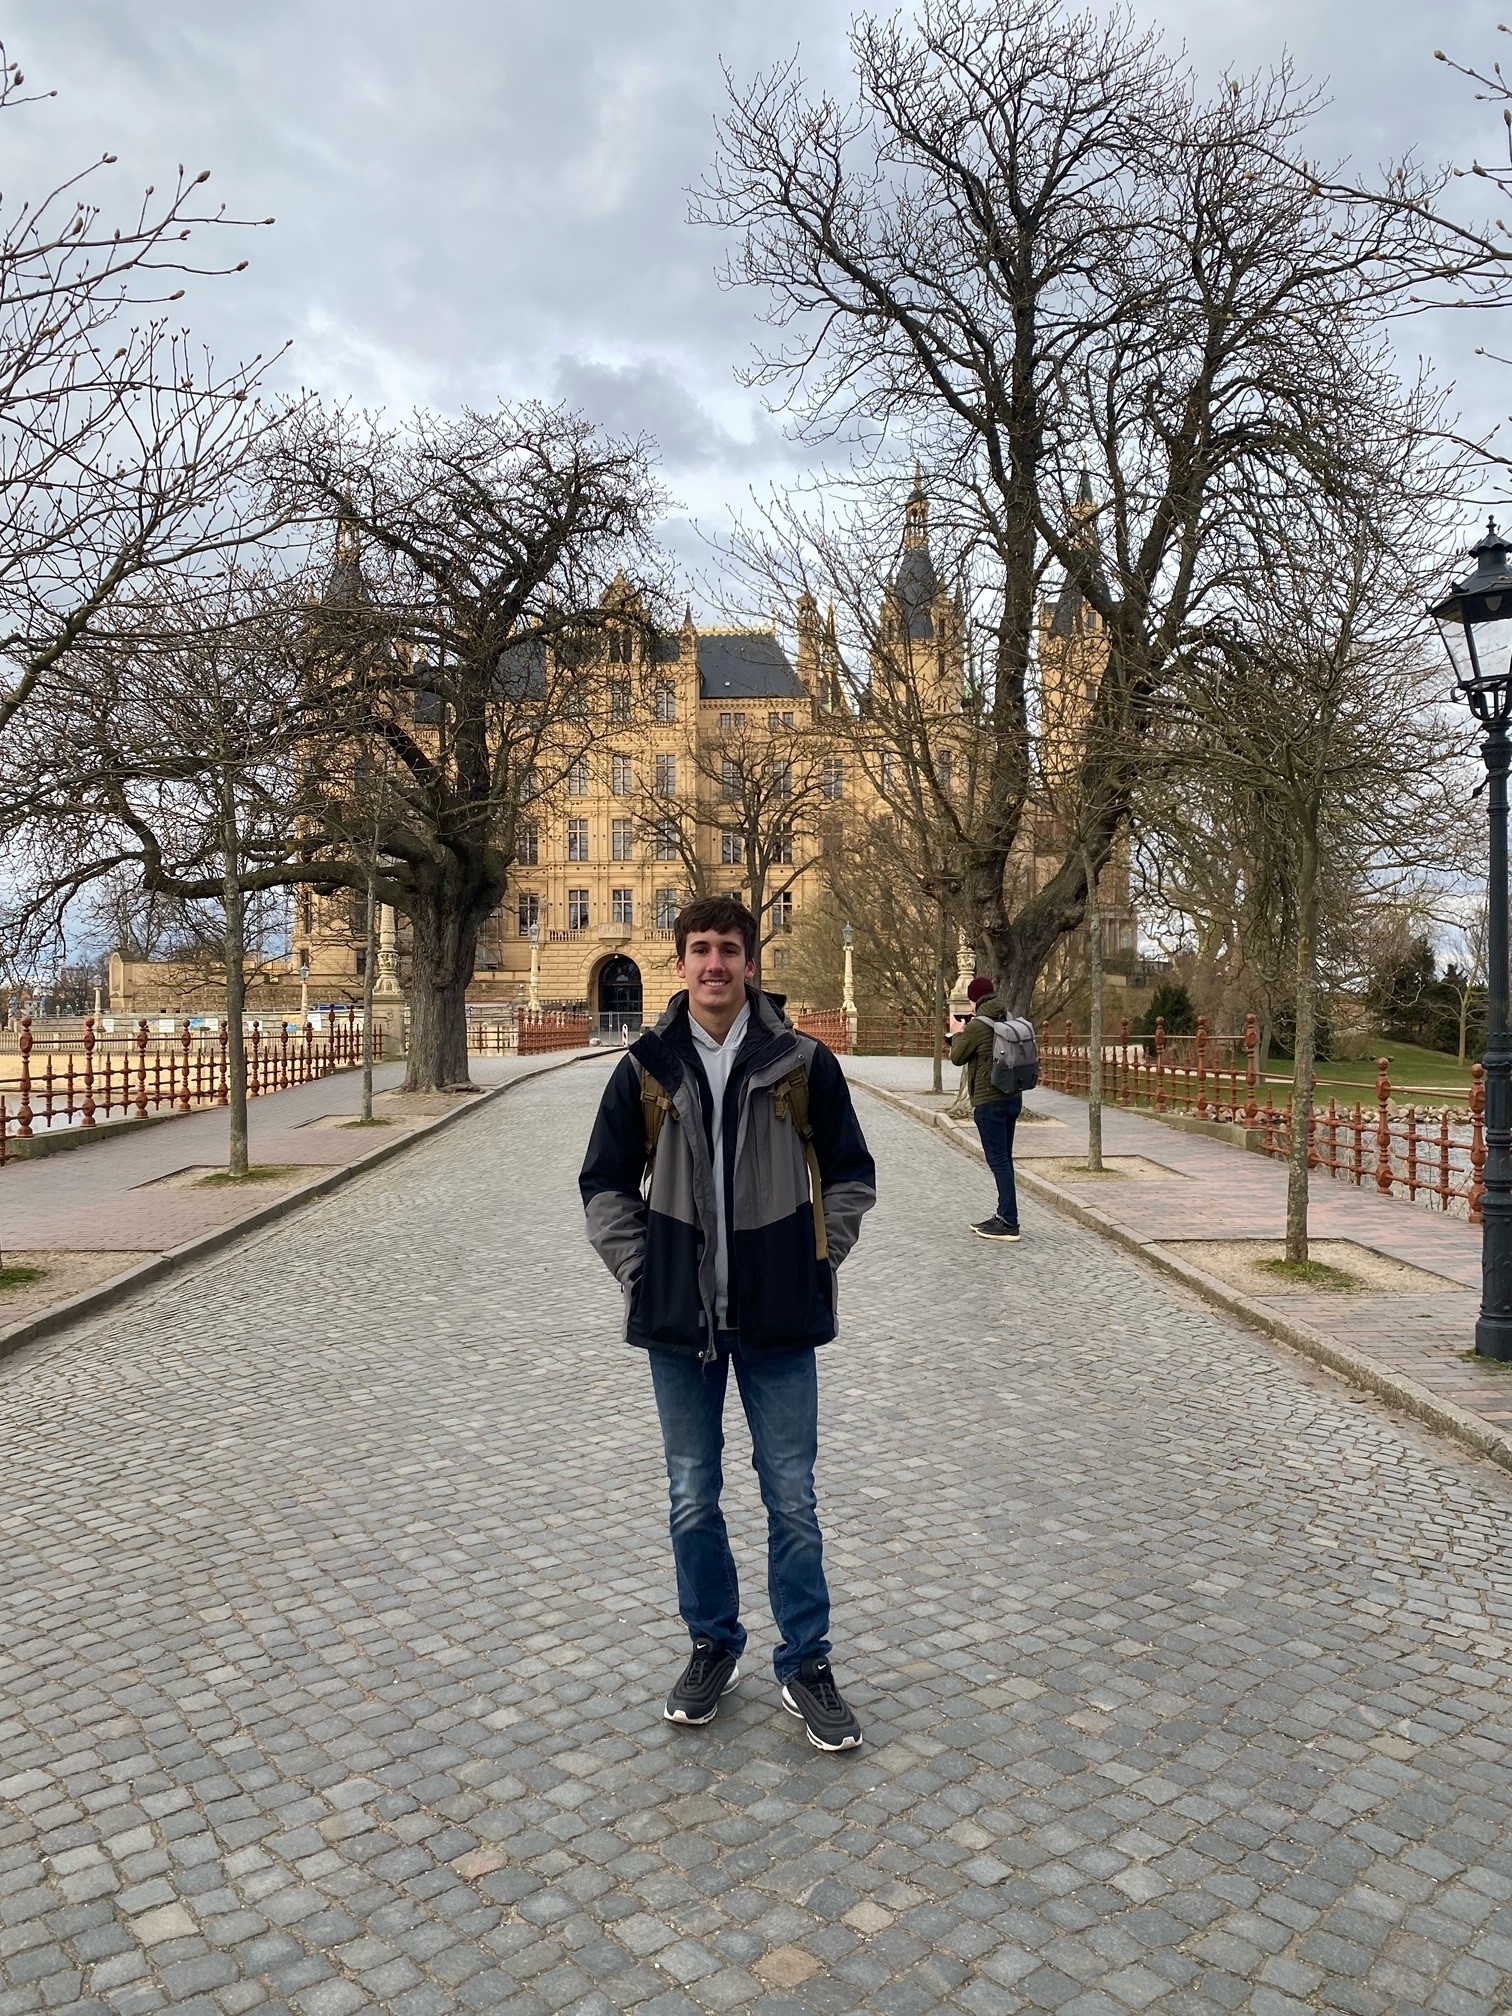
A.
x: 656, y: 1104
x: 790, y: 1097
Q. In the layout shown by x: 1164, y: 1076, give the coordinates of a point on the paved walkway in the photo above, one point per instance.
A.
x: 117, y: 1195
x: 336, y: 1616
x: 1424, y: 1330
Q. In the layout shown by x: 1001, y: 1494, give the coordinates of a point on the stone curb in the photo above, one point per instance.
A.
x: 1397, y: 1388
x: 120, y: 1287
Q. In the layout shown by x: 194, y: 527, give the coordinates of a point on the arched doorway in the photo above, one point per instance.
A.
x: 619, y: 994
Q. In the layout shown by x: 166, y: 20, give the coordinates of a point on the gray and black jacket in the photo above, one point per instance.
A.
x: 660, y: 1247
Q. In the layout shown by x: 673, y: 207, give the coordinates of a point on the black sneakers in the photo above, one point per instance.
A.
x: 812, y: 1694
x: 709, y: 1673
x: 994, y: 1228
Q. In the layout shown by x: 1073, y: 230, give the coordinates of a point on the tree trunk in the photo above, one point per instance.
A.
x: 444, y: 934
x: 1464, y: 1021
x: 1304, y: 1049
x: 370, y: 959
x: 1094, y: 1024
x: 937, y: 1081
x: 234, y: 903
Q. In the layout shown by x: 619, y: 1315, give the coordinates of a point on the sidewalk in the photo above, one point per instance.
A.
x: 101, y: 1217
x: 1413, y: 1342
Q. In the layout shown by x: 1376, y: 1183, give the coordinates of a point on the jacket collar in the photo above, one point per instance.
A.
x: 667, y: 1050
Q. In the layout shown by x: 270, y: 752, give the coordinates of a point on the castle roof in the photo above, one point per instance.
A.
x: 745, y: 665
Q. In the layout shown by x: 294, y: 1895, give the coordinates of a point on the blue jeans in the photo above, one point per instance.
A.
x: 995, y: 1123
x: 780, y: 1393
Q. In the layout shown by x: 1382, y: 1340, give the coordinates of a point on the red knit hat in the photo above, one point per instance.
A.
x: 980, y: 988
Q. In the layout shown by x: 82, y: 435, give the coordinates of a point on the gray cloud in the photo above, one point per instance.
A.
x: 486, y: 198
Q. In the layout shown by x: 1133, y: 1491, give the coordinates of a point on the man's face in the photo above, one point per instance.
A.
x: 715, y: 967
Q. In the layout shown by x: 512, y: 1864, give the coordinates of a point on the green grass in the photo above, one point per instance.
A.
x: 378, y: 1120
x: 268, y: 1172
x: 1308, y: 1273
x: 1426, y: 1070
x: 20, y: 1277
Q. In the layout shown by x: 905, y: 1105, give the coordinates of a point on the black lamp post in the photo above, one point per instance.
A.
x: 1475, y: 622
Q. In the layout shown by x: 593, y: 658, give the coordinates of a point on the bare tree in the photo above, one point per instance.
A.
x: 122, y: 448
x: 1028, y: 245
x: 166, y: 753
x: 480, y: 582
x: 1316, y: 703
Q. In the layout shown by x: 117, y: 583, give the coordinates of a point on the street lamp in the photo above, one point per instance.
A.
x: 1475, y: 622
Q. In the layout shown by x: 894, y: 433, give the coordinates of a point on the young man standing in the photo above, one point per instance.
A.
x: 995, y: 1113
x: 729, y: 1259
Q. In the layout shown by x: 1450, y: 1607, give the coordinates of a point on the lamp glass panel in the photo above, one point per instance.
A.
x: 1458, y: 647
x: 1493, y: 638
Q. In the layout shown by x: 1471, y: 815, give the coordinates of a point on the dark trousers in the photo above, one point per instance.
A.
x: 779, y: 1391
x: 995, y: 1122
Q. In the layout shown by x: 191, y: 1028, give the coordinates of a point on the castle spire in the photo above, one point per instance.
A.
x: 916, y: 516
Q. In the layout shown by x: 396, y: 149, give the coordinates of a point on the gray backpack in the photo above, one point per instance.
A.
x: 1015, y: 1054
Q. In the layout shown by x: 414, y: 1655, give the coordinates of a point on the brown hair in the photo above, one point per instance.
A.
x: 719, y: 914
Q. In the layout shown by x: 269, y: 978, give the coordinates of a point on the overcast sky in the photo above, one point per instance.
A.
x: 485, y: 198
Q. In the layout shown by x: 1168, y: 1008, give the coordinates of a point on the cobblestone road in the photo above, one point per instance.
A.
x: 335, y: 1619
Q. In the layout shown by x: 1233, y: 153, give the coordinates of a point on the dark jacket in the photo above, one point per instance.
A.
x: 973, y: 1048
x: 661, y: 1247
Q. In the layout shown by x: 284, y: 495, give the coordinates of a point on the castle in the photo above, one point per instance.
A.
x: 644, y: 817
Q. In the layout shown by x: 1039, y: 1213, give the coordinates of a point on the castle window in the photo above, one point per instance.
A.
x: 782, y: 778
x: 731, y: 849
x: 889, y: 771
x: 946, y: 768
x: 619, y: 699
x: 622, y: 906
x: 577, y: 839
x: 664, y: 841
x: 832, y: 778
x: 782, y: 845
x: 577, y: 909
x: 666, y: 909
x: 729, y: 780
x: 529, y: 908
x: 666, y: 700
x: 577, y: 777
x: 666, y: 776
x: 622, y: 840
x: 528, y: 843
x: 620, y: 776
x: 780, y: 911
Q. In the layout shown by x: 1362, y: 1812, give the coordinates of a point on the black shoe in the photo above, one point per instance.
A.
x: 709, y: 1673
x: 811, y: 1693
x: 994, y: 1228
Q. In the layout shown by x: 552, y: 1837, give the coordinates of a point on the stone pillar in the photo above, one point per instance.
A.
x: 960, y: 1011
x: 535, y: 966
x: 388, y: 995
x: 848, y: 995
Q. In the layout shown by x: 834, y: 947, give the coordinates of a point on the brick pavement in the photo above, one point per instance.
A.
x: 108, y: 1197
x: 337, y: 1616
x: 1220, y: 1191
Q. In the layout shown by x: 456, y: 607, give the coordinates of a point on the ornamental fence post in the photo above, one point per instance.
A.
x: 24, y: 1111
x: 1251, y: 1055
x: 1202, y: 1040
x: 221, y: 1093
x: 185, y: 1039
x: 87, y: 1112
x: 1160, y: 1094
x: 141, y: 1050
x: 1383, y: 1126
x: 254, y: 1077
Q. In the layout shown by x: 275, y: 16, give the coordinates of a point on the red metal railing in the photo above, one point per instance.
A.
x: 551, y: 1029
x: 179, y: 1076
x: 1434, y: 1157
x: 896, y: 1035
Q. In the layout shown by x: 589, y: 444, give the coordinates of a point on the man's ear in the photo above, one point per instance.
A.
x: 750, y: 969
